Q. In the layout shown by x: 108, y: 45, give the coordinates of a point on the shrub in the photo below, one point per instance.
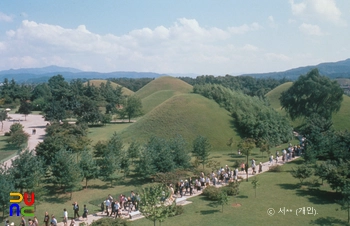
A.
x: 179, y: 210
x: 232, y: 189
x: 110, y: 222
x: 211, y: 192
x: 276, y: 169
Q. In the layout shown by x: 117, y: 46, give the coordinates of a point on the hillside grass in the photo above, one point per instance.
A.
x: 275, y: 190
x: 155, y: 99
x: 340, y: 119
x: 189, y: 115
x: 105, y: 132
x: 98, y: 82
x: 164, y: 83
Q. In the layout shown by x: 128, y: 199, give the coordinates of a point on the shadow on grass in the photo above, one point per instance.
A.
x: 206, y: 212
x: 319, y: 197
x: 58, y: 199
x: 98, y: 186
x: 328, y: 221
x: 242, y: 196
x: 289, y: 186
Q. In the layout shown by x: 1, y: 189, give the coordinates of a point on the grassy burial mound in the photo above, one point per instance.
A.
x: 160, y: 90
x: 164, y: 83
x: 189, y: 115
x: 340, y: 119
x: 98, y: 82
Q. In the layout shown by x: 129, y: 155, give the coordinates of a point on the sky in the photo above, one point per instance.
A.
x: 204, y: 37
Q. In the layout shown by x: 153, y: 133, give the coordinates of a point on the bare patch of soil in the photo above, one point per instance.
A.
x: 236, y: 205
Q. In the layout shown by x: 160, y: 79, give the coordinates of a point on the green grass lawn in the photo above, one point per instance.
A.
x: 277, y: 191
x: 106, y: 132
x: 6, y: 150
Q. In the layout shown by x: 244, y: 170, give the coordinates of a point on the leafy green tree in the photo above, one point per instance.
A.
x: 180, y: 152
x: 132, y: 108
x: 222, y: 200
x: 201, y: 149
x: 25, y: 108
x: 134, y: 151
x: 312, y: 94
x: 246, y: 146
x: 87, y: 111
x: 152, y: 203
x: 88, y: 167
x: 264, y: 146
x: 6, y: 186
x: 26, y: 171
x: 108, y: 165
x: 255, y: 183
x: 65, y: 171
x: 18, y: 137
x: 302, y: 172
x: 345, y: 202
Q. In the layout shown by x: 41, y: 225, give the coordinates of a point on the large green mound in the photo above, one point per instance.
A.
x: 98, y: 82
x: 189, y: 115
x: 153, y: 100
x: 340, y: 119
x: 164, y: 83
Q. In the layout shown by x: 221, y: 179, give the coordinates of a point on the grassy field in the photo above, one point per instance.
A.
x: 106, y: 132
x: 340, y: 119
x: 275, y: 190
x: 98, y: 82
x: 189, y: 115
x: 164, y: 83
x: 6, y: 150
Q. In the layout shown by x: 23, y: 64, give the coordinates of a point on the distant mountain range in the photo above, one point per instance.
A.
x: 340, y: 69
x: 38, y: 75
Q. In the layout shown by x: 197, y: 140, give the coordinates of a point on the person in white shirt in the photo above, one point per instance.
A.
x: 65, y: 217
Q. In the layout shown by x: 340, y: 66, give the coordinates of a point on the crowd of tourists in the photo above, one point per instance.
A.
x: 113, y: 207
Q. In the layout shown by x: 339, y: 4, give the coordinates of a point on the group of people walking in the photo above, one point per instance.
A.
x: 114, y: 207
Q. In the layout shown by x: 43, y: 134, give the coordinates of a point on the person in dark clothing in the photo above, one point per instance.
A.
x: 76, y: 210
x: 46, y: 219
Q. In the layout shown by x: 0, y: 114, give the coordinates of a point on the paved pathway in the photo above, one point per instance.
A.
x: 125, y: 214
x: 31, y: 122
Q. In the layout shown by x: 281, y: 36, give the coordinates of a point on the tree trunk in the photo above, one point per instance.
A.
x: 247, y: 167
x: 86, y: 180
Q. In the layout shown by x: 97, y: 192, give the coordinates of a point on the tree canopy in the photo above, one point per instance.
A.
x: 312, y: 94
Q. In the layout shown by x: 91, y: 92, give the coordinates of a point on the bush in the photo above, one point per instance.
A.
x: 179, y: 210
x: 275, y: 169
x: 232, y: 189
x: 110, y: 222
x: 7, y: 134
x: 211, y: 193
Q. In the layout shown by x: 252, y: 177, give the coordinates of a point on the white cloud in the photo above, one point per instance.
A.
x: 249, y: 47
x: 310, y: 29
x: 318, y: 9
x: 244, y: 28
x: 297, y: 8
x: 276, y: 56
x: 272, y: 22
x: 5, y: 18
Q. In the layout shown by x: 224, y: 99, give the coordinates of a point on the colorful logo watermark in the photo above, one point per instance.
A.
x: 28, y: 210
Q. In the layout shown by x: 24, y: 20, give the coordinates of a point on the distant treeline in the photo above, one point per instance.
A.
x: 133, y: 84
x: 248, y: 85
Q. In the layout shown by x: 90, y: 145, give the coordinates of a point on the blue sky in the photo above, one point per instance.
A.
x: 215, y: 37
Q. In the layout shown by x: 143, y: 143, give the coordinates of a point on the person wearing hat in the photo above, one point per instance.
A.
x: 7, y: 223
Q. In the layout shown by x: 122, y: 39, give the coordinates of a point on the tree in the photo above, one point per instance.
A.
x: 201, y: 149
x: 134, y: 151
x: 180, y: 153
x: 264, y: 147
x: 302, y: 172
x: 222, y: 200
x: 88, y: 167
x: 26, y: 171
x: 132, y: 107
x: 246, y: 145
x: 25, y: 108
x: 310, y: 94
x: 65, y: 171
x: 255, y: 183
x: 345, y: 202
x: 17, y: 135
x: 152, y: 203
x: 3, y: 116
x: 6, y: 186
